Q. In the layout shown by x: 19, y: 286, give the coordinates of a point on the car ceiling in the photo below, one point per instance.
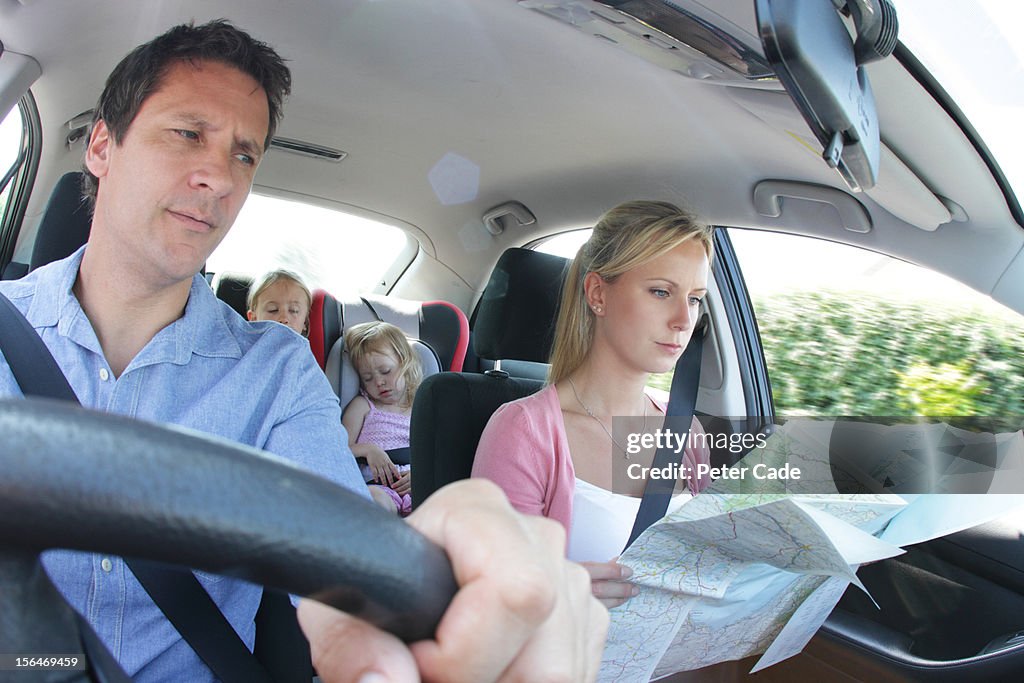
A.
x: 547, y: 115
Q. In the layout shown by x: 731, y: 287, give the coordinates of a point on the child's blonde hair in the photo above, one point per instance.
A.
x: 259, y: 286
x: 381, y: 337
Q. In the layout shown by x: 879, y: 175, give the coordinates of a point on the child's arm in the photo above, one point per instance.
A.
x: 352, y: 419
x: 384, y: 471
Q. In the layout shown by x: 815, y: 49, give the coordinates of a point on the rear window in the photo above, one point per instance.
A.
x: 333, y: 250
x: 564, y: 244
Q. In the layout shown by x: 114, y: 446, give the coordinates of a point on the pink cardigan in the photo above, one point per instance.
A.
x: 523, y: 449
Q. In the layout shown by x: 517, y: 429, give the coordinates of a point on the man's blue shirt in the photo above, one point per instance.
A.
x: 210, y: 370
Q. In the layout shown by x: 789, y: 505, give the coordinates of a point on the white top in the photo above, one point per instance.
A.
x: 602, y: 521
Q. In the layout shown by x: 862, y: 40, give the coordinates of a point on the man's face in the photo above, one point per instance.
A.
x: 171, y: 190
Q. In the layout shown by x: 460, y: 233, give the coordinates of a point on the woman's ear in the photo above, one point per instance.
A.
x: 594, y: 292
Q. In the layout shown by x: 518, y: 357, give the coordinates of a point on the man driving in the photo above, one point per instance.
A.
x: 178, y: 134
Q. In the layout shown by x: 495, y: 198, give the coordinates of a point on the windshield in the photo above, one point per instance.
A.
x: 973, y: 51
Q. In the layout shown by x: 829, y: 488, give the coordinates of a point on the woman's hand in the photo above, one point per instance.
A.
x: 403, y: 485
x: 608, y: 582
x: 384, y: 471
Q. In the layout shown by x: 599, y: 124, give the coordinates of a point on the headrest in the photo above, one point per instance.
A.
x: 515, y: 319
x: 324, y: 325
x: 233, y: 289
x: 345, y: 380
x: 444, y: 326
x: 65, y: 223
x: 439, y: 324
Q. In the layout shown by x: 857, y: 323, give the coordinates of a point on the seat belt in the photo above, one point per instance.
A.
x: 682, y: 402
x: 177, y: 592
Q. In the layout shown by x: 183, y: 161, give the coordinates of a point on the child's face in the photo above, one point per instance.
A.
x: 378, y: 373
x: 283, y: 302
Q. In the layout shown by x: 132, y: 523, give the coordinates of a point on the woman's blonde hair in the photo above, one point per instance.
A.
x: 366, y: 338
x: 259, y: 286
x: 625, y: 237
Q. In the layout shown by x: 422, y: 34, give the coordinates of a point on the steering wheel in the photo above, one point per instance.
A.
x: 84, y: 480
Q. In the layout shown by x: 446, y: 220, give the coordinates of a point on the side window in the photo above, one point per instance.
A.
x: 336, y: 251
x: 11, y: 134
x: 847, y: 331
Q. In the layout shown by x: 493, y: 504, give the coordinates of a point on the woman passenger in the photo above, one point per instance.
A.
x: 629, y: 306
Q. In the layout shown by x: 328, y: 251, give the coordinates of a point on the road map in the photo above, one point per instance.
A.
x: 736, y: 572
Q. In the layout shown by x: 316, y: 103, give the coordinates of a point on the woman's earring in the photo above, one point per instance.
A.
x: 597, y: 309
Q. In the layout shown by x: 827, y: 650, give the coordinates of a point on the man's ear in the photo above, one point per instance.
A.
x: 97, y: 153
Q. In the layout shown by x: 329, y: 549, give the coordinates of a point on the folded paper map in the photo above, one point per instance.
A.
x: 736, y: 572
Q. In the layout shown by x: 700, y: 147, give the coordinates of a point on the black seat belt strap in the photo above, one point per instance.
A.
x: 34, y: 369
x: 177, y: 593
x: 682, y: 403
x: 187, y: 605
x: 373, y: 310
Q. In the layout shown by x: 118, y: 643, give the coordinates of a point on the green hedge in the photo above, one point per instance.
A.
x: 854, y: 354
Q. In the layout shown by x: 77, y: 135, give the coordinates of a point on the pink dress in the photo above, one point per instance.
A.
x: 387, y: 430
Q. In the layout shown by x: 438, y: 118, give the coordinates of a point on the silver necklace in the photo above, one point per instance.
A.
x: 589, y: 412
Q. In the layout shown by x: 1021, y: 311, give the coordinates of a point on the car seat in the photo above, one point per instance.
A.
x: 439, y: 333
x: 65, y: 224
x: 439, y: 324
x: 233, y: 289
x: 63, y: 228
x: 514, y: 322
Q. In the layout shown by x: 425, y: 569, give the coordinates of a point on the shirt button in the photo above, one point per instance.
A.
x: 106, y: 564
x: 104, y: 375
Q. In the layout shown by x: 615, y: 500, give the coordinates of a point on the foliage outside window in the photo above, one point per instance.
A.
x: 850, y: 332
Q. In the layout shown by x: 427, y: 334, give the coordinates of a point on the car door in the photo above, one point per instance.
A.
x: 828, y: 329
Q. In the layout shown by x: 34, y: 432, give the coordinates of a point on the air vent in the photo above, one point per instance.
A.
x: 308, y: 149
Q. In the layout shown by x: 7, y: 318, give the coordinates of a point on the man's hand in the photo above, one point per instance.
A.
x: 522, y: 612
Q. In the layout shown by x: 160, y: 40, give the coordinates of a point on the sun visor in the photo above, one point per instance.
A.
x: 900, y: 192
x: 813, y: 54
x: 17, y: 74
x: 898, y: 189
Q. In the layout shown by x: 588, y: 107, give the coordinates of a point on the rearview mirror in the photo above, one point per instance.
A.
x: 821, y: 66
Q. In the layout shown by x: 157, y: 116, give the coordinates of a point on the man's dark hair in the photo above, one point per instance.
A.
x: 139, y: 74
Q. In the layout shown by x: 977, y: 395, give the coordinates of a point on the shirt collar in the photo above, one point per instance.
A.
x: 52, y: 300
x: 203, y: 329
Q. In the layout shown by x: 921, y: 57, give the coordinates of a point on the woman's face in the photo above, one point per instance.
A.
x: 646, y: 317
x: 283, y: 302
